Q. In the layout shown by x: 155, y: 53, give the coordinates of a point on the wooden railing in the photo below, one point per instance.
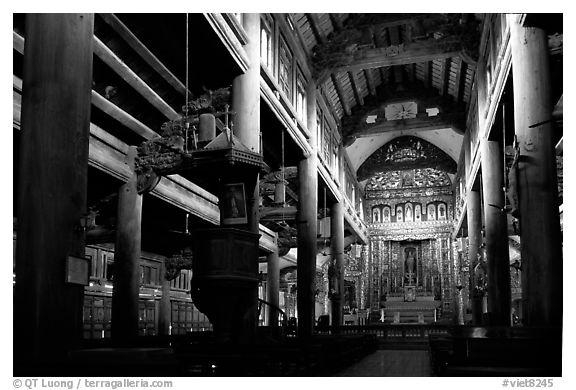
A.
x: 390, y: 331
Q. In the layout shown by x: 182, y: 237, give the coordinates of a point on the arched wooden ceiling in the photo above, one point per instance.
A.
x: 365, y: 61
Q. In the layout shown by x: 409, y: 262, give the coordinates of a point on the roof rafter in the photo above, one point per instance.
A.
x: 315, y: 25
x: 341, y: 94
x: 444, y: 76
x: 356, y: 88
x: 458, y: 82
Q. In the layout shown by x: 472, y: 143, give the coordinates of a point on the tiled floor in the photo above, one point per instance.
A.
x: 391, y: 363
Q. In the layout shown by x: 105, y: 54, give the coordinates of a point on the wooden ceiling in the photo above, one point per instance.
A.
x: 363, y: 61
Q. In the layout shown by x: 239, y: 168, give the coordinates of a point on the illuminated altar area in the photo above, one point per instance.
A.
x: 410, y: 265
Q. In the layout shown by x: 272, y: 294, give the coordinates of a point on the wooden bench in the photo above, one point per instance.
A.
x: 497, y: 351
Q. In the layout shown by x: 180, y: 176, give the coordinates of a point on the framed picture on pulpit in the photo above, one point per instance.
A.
x: 234, y: 207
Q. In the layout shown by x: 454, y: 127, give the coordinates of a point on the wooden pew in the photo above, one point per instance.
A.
x: 497, y: 351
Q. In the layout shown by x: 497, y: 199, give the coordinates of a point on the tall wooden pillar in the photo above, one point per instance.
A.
x: 52, y: 186
x: 165, y: 309
x: 246, y: 89
x: 496, y: 233
x: 127, y: 257
x: 474, y: 218
x: 273, y: 288
x: 337, y: 249
x: 307, y: 224
x: 246, y: 104
x: 537, y: 182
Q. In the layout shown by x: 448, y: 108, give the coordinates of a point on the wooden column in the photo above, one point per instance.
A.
x: 273, y: 288
x: 474, y: 219
x: 246, y: 104
x: 337, y: 249
x: 537, y: 182
x: 127, y: 257
x: 307, y: 224
x: 165, y: 309
x: 246, y: 89
x: 52, y: 186
x: 496, y: 232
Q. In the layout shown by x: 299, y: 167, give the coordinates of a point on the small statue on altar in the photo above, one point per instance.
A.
x: 410, y: 266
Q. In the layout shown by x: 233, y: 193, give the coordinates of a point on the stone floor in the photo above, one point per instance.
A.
x: 395, y: 363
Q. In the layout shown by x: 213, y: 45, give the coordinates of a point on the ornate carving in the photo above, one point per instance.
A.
x: 211, y: 101
x: 373, y: 197
x: 286, y: 240
x: 360, y: 31
x: 406, y: 152
x: 178, y: 262
x: 415, y: 233
x: 337, y: 51
x: 467, y: 29
x: 157, y: 157
x: 420, y: 177
x: 165, y: 154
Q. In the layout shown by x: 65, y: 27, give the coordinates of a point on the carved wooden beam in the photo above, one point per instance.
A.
x: 459, y: 80
x: 445, y: 76
x: 356, y: 88
x: 341, y: 94
x: 374, y: 105
x: 454, y: 121
x: 428, y: 74
x: 370, y: 81
x: 428, y: 50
